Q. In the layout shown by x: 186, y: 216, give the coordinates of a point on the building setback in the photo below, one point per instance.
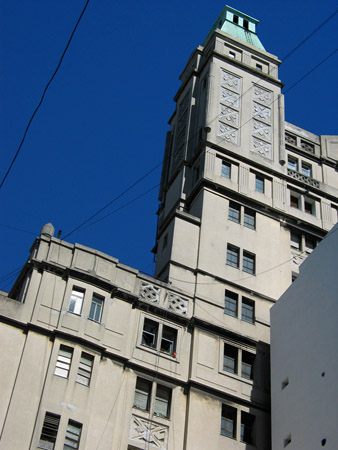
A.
x: 99, y: 356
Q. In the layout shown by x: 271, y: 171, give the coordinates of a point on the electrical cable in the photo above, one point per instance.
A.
x: 16, y: 229
x: 44, y: 93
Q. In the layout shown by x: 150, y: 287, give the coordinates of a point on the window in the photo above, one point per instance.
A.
x: 76, y: 300
x: 247, y: 365
x: 310, y: 245
x: 84, y: 371
x: 63, y: 361
x: 234, y: 212
x: 295, y: 240
x: 228, y: 423
x: 230, y: 303
x: 160, y: 405
x: 232, y: 256
x: 96, y: 308
x: 236, y: 19
x: 247, y: 425
x: 73, y: 435
x: 248, y: 262
x: 232, y: 55
x: 159, y: 336
x: 294, y: 201
x: 306, y: 169
x: 249, y: 218
x: 308, y: 205
x: 226, y: 170
x: 259, y: 186
x: 259, y: 67
x: 49, y: 431
x: 245, y: 24
x: 248, y: 310
x: 230, y: 358
x: 293, y: 163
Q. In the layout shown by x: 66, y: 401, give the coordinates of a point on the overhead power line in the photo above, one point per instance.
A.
x: 43, y: 94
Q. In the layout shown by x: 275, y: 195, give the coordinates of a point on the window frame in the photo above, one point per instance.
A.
x: 248, y: 305
x: 76, y: 300
x: 63, y: 362
x: 249, y: 262
x: 71, y: 436
x: 98, y: 302
x: 164, y: 336
x: 234, y: 212
x: 259, y: 184
x: 232, y: 257
x: 50, y: 429
x: 230, y: 359
x: 226, y: 169
x: 84, y: 370
x: 306, y: 169
x: 249, y: 218
x: 247, y: 429
x: 157, y: 396
x: 293, y: 163
x: 232, y: 299
x: 228, y: 417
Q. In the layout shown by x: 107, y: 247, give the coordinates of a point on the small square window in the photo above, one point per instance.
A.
x: 247, y: 365
x: 49, y: 431
x: 232, y: 55
x: 293, y: 163
x: 234, y: 212
x: 96, y: 308
x: 232, y: 256
x: 306, y: 169
x: 63, y: 361
x: 249, y: 218
x: 259, y: 67
x: 230, y: 303
x: 228, y: 422
x: 230, y: 358
x: 84, y: 371
x: 248, y: 310
x: 247, y: 425
x: 73, y: 435
x: 226, y: 170
x: 249, y: 262
x: 259, y: 184
x: 76, y: 301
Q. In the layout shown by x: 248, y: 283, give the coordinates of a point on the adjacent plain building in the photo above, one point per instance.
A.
x: 304, y: 361
x: 98, y: 356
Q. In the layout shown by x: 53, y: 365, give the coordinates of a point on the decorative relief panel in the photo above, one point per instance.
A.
x: 149, y: 432
x: 150, y: 293
x: 262, y: 147
x: 231, y: 81
x: 177, y: 303
x: 261, y: 112
x: 262, y: 130
x: 230, y: 134
x: 229, y: 115
x: 303, y: 178
x: 262, y: 95
x: 297, y: 259
x: 229, y: 97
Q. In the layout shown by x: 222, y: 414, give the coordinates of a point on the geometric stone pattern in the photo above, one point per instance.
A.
x: 149, y: 433
x: 229, y: 115
x: 262, y: 95
x: 261, y: 147
x: 150, y: 293
x: 229, y: 107
x: 230, y: 134
x: 300, y: 177
x: 297, y: 259
x: 261, y: 112
x: 177, y: 303
x: 229, y: 97
x: 230, y: 80
x: 261, y: 130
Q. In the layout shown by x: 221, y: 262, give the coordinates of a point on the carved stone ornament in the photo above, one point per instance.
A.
x: 300, y: 177
x: 177, y: 303
x: 229, y: 97
x: 149, y: 432
x: 229, y: 115
x: 262, y: 147
x: 150, y: 293
x: 261, y: 130
x: 297, y: 259
x: 261, y: 112
x: 230, y: 134
x: 262, y: 95
x: 231, y: 81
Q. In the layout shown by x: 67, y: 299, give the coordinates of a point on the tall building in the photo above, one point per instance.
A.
x: 304, y: 359
x: 100, y: 356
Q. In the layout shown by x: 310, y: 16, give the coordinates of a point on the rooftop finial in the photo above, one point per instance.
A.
x: 47, y: 230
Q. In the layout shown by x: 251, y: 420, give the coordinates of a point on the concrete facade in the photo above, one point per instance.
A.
x: 304, y: 359
x: 107, y: 358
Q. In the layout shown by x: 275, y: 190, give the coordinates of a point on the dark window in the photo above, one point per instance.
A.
x: 162, y: 401
x: 259, y: 186
x: 142, y: 394
x: 234, y: 212
x: 247, y: 365
x: 235, y: 19
x: 150, y: 333
x: 294, y: 201
x: 233, y: 256
x: 73, y: 435
x: 230, y: 303
x: 249, y: 262
x: 165, y: 241
x: 49, y: 431
x: 232, y: 55
x: 168, y: 341
x: 308, y: 207
x: 310, y: 244
x: 245, y: 24
x: 259, y: 67
x: 230, y: 358
x: 249, y: 218
x: 84, y: 371
x: 248, y: 310
x: 96, y: 308
x: 226, y: 170
x: 295, y: 240
x: 247, y: 424
x: 228, y: 423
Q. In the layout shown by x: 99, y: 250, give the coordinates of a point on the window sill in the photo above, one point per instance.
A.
x: 147, y: 416
x: 236, y: 377
x: 156, y: 352
x: 95, y: 321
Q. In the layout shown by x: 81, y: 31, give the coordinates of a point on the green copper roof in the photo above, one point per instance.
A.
x: 237, y: 24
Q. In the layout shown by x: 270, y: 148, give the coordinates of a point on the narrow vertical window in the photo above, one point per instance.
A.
x: 249, y: 220
x: 73, y: 434
x: 247, y: 424
x: 162, y: 401
x: 259, y: 184
x: 233, y: 256
x: 308, y: 206
x: 294, y: 201
x: 230, y: 303
x: 49, y: 431
x: 76, y: 301
x: 293, y: 163
x: 150, y: 333
x: 230, y: 358
x: 84, y: 372
x: 248, y: 310
x: 247, y: 365
x: 168, y: 341
x: 306, y: 169
x: 63, y: 361
x: 96, y: 308
x: 142, y: 394
x: 228, y: 423
x: 295, y: 240
x: 234, y: 212
x: 249, y: 262
x: 226, y: 170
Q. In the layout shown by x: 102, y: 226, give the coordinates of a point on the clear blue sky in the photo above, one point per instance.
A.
x: 104, y: 119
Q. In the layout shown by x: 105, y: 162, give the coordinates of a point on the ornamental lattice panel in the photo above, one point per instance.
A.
x: 149, y: 432
x: 150, y: 293
x: 177, y: 304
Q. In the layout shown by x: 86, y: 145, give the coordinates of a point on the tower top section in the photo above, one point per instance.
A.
x: 237, y: 24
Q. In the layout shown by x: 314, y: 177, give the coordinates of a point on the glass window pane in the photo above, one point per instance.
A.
x: 162, y: 401
x: 230, y: 303
x: 232, y: 256
x: 142, y: 394
x: 234, y: 212
x: 248, y: 310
